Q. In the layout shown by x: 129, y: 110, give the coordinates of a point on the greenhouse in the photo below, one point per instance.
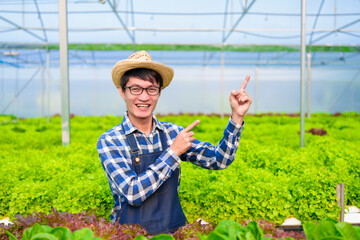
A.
x: 298, y: 154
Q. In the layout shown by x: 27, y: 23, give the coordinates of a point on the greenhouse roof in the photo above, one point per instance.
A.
x: 270, y: 29
x: 182, y: 22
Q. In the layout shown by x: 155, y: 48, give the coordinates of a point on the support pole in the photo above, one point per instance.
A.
x: 309, y: 85
x: 16, y: 98
x: 42, y: 91
x: 2, y: 87
x: 222, y: 83
x: 340, y: 193
x: 23, y: 14
x: 256, y: 89
x: 133, y: 24
x: 64, y: 73
x: 48, y: 83
x: 302, y: 75
x: 95, y: 87
x: 203, y: 90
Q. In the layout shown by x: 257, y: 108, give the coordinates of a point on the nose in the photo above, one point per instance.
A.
x: 144, y: 96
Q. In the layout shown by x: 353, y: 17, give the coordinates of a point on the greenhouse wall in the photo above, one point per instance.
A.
x: 195, y: 89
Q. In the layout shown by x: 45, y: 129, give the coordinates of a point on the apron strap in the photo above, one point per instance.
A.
x: 133, y: 145
x: 163, y: 140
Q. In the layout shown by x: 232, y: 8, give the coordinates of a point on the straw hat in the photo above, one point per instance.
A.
x: 141, y: 59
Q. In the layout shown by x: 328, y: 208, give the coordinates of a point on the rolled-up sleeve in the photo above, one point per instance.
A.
x: 207, y: 155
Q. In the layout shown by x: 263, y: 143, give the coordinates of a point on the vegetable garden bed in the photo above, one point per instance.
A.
x: 272, y: 178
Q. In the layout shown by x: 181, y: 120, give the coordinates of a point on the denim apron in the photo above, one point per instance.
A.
x: 161, y: 212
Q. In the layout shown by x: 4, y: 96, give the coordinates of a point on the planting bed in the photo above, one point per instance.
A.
x: 272, y: 178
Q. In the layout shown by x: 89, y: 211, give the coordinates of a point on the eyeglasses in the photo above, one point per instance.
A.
x: 136, y: 90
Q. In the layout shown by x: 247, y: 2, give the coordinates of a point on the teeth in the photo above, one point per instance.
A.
x: 140, y: 105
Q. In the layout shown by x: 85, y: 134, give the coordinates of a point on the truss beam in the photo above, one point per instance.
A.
x: 20, y: 91
x: 121, y: 21
x: 21, y: 28
x: 315, y: 22
x: 336, y: 30
x: 41, y: 21
x: 238, y: 21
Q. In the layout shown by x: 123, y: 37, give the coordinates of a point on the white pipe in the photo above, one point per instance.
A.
x: 64, y: 73
x: 302, y: 75
x: 42, y: 91
x: 309, y: 85
x: 256, y: 89
x: 222, y: 84
x: 48, y: 83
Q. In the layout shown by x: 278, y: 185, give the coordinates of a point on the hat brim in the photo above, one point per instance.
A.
x: 166, y: 72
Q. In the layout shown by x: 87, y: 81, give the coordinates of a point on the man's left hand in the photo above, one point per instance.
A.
x: 240, y: 102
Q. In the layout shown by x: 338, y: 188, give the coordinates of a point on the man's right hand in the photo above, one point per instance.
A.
x: 184, y: 139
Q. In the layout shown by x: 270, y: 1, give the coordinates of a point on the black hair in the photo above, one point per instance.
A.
x: 142, y: 73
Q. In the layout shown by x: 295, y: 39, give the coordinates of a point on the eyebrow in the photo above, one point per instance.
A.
x: 135, y: 85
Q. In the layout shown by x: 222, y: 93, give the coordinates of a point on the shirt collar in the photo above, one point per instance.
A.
x: 130, y: 128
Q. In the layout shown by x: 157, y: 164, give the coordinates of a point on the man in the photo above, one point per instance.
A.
x: 141, y: 156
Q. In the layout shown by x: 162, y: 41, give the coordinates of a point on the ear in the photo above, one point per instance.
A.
x: 121, y: 91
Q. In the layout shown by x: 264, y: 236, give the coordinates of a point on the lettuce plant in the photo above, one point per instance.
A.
x: 38, y: 232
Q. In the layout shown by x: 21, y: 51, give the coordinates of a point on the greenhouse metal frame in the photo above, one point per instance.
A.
x: 122, y: 24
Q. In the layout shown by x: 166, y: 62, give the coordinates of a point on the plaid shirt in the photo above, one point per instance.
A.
x: 127, y: 186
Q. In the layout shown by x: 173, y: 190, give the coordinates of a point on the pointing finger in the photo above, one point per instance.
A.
x: 191, y: 126
x: 245, y: 82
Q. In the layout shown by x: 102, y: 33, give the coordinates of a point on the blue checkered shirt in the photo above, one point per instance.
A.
x: 127, y: 186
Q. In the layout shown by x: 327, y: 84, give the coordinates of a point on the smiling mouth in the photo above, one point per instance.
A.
x: 142, y: 105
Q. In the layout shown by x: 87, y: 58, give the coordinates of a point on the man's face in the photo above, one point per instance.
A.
x: 140, y: 107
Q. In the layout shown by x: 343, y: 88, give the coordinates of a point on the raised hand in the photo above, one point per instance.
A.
x: 184, y: 139
x: 240, y: 102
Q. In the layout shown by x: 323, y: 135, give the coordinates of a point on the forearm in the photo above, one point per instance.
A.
x: 220, y: 156
x: 237, y: 118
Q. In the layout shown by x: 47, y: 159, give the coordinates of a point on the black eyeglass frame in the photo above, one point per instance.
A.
x: 142, y: 90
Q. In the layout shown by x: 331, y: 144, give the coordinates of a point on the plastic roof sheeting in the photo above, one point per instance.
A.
x: 178, y: 22
x: 29, y: 58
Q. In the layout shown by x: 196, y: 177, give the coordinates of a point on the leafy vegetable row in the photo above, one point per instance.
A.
x: 271, y: 178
